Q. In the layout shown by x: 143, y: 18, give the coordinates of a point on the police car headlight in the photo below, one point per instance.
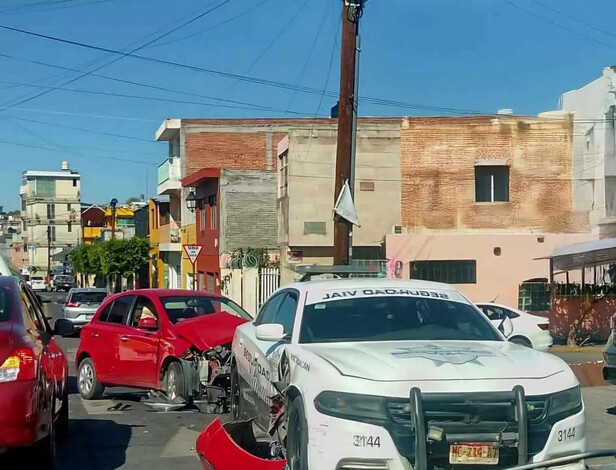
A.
x: 351, y: 406
x: 566, y: 402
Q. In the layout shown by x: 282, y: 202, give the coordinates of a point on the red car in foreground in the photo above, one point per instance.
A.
x: 33, y: 374
x: 174, y: 341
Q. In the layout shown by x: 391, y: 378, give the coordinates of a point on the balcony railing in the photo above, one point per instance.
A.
x: 169, y: 170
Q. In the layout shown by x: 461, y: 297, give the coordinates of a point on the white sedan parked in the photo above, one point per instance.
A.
x: 528, y: 330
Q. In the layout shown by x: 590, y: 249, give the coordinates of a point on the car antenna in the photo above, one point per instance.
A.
x: 494, y: 299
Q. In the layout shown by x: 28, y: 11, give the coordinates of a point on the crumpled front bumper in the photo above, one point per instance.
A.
x: 221, y: 447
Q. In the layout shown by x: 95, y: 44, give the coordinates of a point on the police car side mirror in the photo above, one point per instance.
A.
x: 506, y: 327
x: 272, y: 332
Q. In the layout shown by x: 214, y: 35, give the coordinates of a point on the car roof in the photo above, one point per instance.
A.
x: 88, y: 289
x: 174, y: 293
x: 367, y: 282
x: 513, y: 309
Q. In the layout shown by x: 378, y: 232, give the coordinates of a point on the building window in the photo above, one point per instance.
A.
x: 491, y: 183
x: 68, y: 207
x: 202, y: 219
x: 74, y: 182
x: 534, y: 296
x: 211, y: 200
x: 450, y: 272
x: 45, y: 187
x: 70, y: 227
x: 51, y: 211
x: 283, y: 175
x: 53, y: 232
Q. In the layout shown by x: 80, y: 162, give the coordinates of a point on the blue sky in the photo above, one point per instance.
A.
x: 477, y: 55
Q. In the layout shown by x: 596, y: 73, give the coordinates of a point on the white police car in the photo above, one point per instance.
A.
x: 387, y: 374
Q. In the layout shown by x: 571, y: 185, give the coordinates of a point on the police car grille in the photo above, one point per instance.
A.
x: 400, y: 411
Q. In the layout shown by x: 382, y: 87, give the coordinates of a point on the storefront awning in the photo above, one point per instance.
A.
x: 588, y: 254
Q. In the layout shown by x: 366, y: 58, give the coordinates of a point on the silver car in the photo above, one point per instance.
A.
x: 609, y: 355
x: 82, y: 303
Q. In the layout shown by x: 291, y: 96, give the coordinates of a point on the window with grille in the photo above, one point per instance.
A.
x: 283, y: 175
x: 212, y: 202
x: 450, y: 272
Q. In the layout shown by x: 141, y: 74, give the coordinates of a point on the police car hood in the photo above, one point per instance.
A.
x: 430, y: 361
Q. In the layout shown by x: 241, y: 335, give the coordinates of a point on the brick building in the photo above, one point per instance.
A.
x: 231, y: 166
x: 483, y: 198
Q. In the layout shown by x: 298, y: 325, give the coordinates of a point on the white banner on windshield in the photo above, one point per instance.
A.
x: 328, y: 295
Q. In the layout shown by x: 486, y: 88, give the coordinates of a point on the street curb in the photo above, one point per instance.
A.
x: 590, y: 374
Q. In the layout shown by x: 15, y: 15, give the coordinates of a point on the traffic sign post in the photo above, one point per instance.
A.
x: 192, y: 251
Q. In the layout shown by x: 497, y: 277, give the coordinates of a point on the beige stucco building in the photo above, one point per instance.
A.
x: 306, y: 166
x: 51, y: 213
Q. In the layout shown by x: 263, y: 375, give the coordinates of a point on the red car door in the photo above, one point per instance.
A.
x: 101, y: 339
x: 53, y: 352
x: 139, y: 346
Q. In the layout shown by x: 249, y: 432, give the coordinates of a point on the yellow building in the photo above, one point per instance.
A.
x: 156, y: 264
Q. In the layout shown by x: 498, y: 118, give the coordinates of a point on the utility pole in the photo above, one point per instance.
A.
x: 352, y: 11
x: 48, y: 251
x: 114, y: 204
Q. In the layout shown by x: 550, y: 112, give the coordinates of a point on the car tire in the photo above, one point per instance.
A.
x: 44, y: 454
x: 174, y: 382
x: 88, y: 384
x: 297, y: 436
x: 235, y: 400
x: 62, y: 422
x: 521, y: 341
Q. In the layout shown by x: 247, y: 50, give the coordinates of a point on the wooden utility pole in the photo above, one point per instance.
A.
x: 343, y: 230
x: 49, y: 251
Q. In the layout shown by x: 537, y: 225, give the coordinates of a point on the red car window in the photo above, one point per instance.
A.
x: 5, y: 306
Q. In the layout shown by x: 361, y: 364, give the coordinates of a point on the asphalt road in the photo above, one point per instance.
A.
x: 102, y: 438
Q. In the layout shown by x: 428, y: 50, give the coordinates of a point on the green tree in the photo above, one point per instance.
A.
x: 124, y: 257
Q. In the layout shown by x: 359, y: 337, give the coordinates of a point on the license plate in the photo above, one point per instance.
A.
x: 473, y: 454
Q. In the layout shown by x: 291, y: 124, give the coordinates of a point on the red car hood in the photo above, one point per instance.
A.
x: 209, y: 331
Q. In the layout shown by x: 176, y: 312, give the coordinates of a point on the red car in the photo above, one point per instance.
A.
x: 174, y: 341
x: 33, y: 374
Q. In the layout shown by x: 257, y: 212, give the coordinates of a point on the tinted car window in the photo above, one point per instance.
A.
x: 269, y: 310
x: 286, y: 312
x: 394, y: 318
x: 104, y: 316
x: 181, y: 308
x: 88, y: 297
x: 5, y: 305
x: 120, y: 310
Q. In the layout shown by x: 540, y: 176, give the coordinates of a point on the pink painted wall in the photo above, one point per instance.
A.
x: 496, y: 275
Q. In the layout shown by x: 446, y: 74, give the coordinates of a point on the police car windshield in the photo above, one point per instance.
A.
x: 394, y: 318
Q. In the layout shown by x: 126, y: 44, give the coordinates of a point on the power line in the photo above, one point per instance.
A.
x: 21, y: 144
x: 151, y: 98
x: 572, y: 18
x: 60, y: 5
x: 81, y: 129
x: 146, y: 85
x: 124, y: 54
x: 222, y: 23
x: 283, y: 30
x: 310, y: 52
x: 558, y: 25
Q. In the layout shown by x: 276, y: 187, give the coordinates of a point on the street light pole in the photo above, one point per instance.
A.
x: 114, y: 203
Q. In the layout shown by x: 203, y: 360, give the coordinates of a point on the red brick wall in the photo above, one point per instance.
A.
x: 241, y: 150
x: 230, y: 150
x: 437, y: 166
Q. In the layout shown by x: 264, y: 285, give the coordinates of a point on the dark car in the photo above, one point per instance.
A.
x: 63, y: 282
x: 33, y: 374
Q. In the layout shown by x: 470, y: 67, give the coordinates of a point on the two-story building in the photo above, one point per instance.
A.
x: 51, y: 212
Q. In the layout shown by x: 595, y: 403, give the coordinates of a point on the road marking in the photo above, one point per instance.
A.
x: 182, y: 444
x: 100, y: 407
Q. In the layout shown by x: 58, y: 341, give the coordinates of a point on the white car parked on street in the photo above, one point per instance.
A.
x: 387, y: 374
x: 529, y: 330
x: 38, y: 283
